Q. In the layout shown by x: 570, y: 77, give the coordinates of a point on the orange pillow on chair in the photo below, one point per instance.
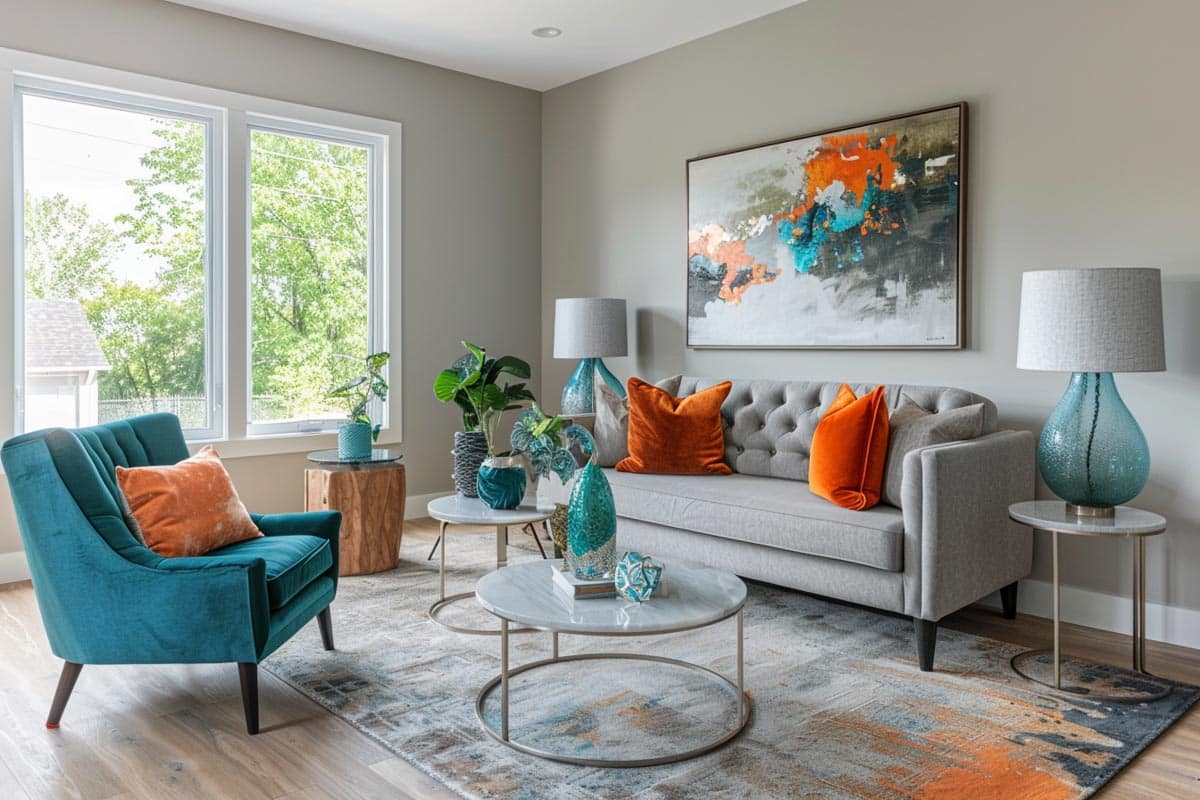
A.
x: 849, y: 450
x: 186, y: 509
x: 671, y: 435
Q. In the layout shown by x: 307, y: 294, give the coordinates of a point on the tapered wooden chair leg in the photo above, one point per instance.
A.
x: 248, y: 673
x: 325, y: 623
x: 66, y: 684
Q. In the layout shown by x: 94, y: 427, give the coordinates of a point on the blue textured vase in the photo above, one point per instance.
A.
x: 354, y: 440
x: 1092, y: 453
x: 591, y: 526
x: 501, y: 483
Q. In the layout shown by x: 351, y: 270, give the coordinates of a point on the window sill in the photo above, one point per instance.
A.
x: 280, y: 444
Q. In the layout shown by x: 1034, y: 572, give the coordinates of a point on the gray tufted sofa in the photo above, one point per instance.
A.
x: 950, y: 545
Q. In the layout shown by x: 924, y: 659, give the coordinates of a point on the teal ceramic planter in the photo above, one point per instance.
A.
x: 501, y: 483
x: 591, y: 526
x: 354, y: 440
x: 1092, y: 453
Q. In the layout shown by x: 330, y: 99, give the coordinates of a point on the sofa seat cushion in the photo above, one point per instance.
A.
x: 293, y: 562
x: 766, y: 511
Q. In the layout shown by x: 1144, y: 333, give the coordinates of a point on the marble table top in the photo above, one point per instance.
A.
x: 1052, y: 515
x: 461, y: 510
x: 525, y: 593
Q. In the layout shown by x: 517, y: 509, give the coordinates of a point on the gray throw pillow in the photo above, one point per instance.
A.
x: 912, y: 427
x: 612, y: 421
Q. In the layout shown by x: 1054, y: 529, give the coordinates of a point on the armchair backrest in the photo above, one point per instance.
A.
x: 64, y: 489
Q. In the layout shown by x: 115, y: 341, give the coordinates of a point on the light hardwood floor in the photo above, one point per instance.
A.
x: 177, y: 731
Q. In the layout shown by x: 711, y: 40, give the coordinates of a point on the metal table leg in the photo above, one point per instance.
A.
x: 741, y: 687
x: 442, y: 563
x: 504, y: 679
x: 1057, y: 618
x: 501, y: 546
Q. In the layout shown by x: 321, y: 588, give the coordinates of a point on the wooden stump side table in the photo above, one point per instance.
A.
x: 370, y: 494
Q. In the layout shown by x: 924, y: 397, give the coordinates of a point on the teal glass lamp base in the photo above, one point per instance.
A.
x: 578, y: 395
x: 1092, y: 453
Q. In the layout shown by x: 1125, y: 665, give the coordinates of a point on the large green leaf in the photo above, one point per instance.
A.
x: 476, y: 351
x: 447, y: 384
x: 511, y: 365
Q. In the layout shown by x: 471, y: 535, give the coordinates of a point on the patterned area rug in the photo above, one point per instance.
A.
x: 840, y: 708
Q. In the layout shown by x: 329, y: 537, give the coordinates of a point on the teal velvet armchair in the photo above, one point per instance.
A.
x: 105, y: 598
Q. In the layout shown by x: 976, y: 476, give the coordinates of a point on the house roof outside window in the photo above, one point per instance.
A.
x: 59, y: 338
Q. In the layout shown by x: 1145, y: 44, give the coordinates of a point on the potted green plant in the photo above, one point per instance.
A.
x: 546, y: 443
x: 357, y: 434
x: 473, y: 384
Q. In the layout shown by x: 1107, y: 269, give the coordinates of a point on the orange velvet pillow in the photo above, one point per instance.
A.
x: 675, y: 435
x: 849, y: 450
x: 186, y: 509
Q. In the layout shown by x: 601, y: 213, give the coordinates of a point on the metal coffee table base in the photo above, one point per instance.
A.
x: 502, y: 680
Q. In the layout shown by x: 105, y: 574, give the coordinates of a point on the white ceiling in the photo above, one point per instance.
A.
x: 491, y: 38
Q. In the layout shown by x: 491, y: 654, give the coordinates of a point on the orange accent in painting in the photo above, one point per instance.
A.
x: 848, y: 158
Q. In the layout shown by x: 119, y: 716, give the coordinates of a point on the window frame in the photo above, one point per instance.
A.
x: 232, y: 388
x: 214, y: 121
x: 377, y: 287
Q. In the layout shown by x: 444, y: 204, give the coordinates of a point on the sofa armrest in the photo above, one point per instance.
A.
x: 959, y: 543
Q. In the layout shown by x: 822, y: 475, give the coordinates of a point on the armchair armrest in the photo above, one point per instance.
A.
x: 183, y: 610
x: 325, y: 524
x: 959, y: 544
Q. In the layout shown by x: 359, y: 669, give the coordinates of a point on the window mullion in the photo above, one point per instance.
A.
x: 237, y: 322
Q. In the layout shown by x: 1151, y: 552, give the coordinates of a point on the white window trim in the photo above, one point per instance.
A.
x: 233, y: 385
x: 213, y: 120
x: 377, y: 284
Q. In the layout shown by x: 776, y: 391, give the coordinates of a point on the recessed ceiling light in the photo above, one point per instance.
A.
x: 547, y: 32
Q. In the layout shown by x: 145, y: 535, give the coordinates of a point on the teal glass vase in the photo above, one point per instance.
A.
x: 1092, y: 453
x: 354, y: 441
x: 579, y: 392
x: 501, y: 483
x: 591, y: 526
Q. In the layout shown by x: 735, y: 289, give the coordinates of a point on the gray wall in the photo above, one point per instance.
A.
x: 471, y: 162
x: 1082, y: 113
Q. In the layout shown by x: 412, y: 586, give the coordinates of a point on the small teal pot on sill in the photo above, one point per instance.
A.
x: 501, y: 482
x: 354, y: 440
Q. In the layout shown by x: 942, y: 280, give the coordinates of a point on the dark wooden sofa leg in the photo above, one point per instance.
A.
x: 325, y: 623
x: 926, y: 640
x: 1008, y: 598
x: 66, y: 684
x: 248, y: 673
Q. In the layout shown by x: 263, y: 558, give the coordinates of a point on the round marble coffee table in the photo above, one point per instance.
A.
x: 458, y: 510
x: 698, y: 596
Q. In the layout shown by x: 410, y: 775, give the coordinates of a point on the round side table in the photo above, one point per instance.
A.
x: 458, y: 510
x: 370, y: 493
x: 1133, y: 524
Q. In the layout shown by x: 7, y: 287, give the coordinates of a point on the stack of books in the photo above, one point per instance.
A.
x: 577, y: 589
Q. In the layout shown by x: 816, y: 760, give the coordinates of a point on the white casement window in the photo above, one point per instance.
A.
x: 227, y: 258
x: 315, y: 263
x: 120, y: 219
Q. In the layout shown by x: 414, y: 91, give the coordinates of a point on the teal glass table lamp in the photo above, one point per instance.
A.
x: 588, y: 328
x: 1092, y: 323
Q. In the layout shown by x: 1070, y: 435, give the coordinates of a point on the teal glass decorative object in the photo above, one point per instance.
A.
x: 501, y: 482
x: 1092, y: 453
x: 591, y: 526
x: 354, y: 440
x: 637, y: 576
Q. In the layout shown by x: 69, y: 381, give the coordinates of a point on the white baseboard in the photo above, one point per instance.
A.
x: 13, y: 567
x: 1171, y: 624
x: 414, y: 504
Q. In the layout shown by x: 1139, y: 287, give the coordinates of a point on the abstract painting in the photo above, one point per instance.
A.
x: 850, y: 238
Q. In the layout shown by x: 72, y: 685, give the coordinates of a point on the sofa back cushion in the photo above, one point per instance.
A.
x: 769, y: 424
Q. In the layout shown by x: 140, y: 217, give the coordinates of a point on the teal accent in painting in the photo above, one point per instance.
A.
x: 1092, y: 452
x: 591, y: 525
x: 501, y: 487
